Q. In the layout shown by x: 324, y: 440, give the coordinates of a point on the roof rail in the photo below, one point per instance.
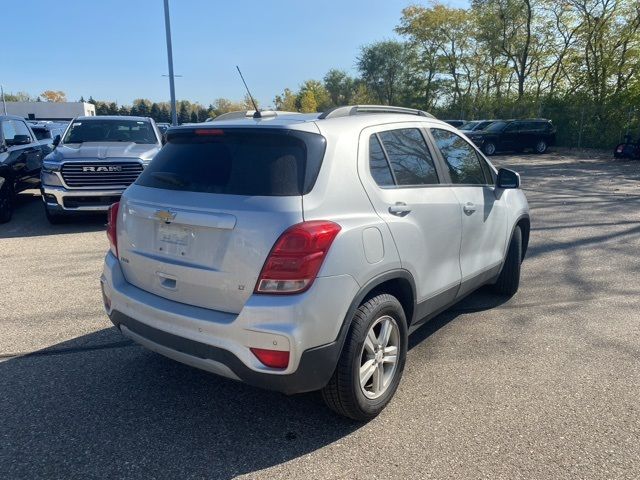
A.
x: 248, y: 114
x: 357, y: 109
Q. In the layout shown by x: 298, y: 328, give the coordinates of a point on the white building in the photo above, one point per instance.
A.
x: 49, y: 110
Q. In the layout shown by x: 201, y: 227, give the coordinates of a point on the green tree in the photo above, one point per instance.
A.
x: 18, y: 97
x: 340, y: 87
x: 383, y: 66
x: 183, y: 112
x: 287, y: 101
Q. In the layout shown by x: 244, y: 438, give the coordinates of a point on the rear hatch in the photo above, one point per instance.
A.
x: 198, y: 224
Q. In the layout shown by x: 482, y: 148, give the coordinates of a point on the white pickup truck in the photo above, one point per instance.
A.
x: 94, y: 161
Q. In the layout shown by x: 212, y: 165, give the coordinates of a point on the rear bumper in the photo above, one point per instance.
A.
x: 307, y: 325
x: 314, y: 370
x: 62, y: 200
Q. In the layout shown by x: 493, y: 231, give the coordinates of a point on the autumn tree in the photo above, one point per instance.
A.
x: 54, y: 96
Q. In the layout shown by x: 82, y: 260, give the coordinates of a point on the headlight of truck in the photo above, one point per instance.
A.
x: 51, y: 166
x: 50, y: 178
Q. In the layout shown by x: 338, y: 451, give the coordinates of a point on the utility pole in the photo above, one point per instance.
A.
x: 4, y: 104
x: 172, y: 88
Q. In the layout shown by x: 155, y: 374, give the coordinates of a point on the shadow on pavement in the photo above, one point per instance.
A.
x: 101, y: 406
x: 29, y: 220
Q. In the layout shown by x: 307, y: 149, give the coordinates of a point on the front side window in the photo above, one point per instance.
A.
x: 13, y: 128
x: 408, y: 156
x: 8, y: 130
x: 460, y: 157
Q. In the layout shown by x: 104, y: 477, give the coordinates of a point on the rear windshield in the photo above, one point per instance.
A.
x: 237, y: 162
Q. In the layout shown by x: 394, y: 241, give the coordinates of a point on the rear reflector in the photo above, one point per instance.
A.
x: 112, y: 232
x: 296, y: 257
x: 272, y: 358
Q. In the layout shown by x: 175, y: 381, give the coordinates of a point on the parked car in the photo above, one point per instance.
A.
x: 455, y: 123
x: 515, y: 135
x: 475, y: 125
x: 297, y: 254
x: 628, y: 149
x: 46, y: 133
x: 95, y: 160
x: 21, y: 157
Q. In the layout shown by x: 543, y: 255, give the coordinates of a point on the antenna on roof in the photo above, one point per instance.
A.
x: 255, y: 107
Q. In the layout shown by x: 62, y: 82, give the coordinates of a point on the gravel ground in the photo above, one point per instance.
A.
x: 543, y: 385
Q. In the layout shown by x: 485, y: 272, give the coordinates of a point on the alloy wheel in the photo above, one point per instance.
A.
x: 379, y: 357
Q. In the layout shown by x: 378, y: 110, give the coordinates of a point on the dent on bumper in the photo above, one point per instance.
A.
x: 307, y: 324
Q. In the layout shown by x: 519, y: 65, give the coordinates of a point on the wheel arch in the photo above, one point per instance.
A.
x: 399, y: 283
x: 524, y: 222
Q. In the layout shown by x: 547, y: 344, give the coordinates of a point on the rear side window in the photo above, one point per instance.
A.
x: 460, y: 157
x: 378, y: 164
x: 408, y: 156
x: 237, y: 162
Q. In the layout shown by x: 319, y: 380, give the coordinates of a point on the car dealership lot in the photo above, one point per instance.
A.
x: 543, y: 385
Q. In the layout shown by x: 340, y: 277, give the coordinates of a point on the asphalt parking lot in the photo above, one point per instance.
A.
x: 543, y: 385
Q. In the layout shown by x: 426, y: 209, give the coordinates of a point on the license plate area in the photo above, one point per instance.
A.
x: 174, y: 239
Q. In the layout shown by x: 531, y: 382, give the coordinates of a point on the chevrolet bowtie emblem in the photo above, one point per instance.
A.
x: 165, y: 215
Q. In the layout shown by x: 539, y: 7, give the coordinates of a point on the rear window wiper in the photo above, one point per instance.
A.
x: 170, y: 178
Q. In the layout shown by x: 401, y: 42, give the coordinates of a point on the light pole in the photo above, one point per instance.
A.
x: 4, y: 104
x: 172, y: 88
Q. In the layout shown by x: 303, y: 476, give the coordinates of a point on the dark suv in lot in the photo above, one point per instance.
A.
x: 515, y: 135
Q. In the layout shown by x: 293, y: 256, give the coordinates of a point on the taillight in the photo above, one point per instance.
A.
x: 272, y: 358
x: 112, y: 227
x: 296, y: 257
x: 209, y: 131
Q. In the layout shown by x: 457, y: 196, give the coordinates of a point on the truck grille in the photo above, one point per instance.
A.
x: 101, y: 174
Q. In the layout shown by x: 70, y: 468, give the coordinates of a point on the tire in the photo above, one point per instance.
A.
x: 344, y: 393
x: 54, y: 218
x: 618, y: 152
x: 489, y: 148
x: 7, y: 198
x: 509, y: 279
x: 540, y: 146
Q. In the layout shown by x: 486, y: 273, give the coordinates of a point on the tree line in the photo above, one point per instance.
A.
x: 576, y: 62
x: 573, y: 61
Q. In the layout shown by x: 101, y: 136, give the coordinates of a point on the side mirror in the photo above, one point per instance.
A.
x: 56, y: 140
x: 19, y: 140
x: 508, y: 179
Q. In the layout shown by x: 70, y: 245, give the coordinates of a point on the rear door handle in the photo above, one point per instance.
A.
x: 469, y: 208
x: 400, y: 209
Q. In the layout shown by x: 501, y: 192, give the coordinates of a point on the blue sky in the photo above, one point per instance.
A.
x: 115, y: 50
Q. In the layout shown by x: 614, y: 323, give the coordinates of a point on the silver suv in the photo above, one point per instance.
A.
x: 94, y: 161
x: 297, y: 252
